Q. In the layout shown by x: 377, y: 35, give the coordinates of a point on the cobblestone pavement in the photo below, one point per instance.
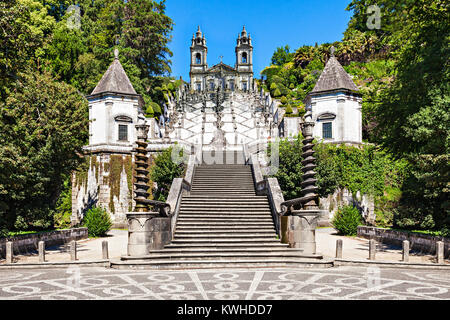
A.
x: 224, y: 284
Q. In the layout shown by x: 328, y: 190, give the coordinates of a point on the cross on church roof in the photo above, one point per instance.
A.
x: 221, y: 58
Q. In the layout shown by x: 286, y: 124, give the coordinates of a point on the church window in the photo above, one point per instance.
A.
x: 327, y: 132
x: 123, y: 132
x: 244, y: 57
x: 244, y: 86
x: 198, y: 58
x: 199, y: 87
x: 211, y: 85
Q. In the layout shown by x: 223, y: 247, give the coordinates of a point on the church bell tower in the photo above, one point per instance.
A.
x: 244, y: 60
x: 199, y: 64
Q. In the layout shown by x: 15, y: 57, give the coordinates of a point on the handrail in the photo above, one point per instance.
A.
x: 163, y: 208
x: 180, y: 185
x: 269, y: 187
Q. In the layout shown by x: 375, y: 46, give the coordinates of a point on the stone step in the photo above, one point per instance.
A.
x: 230, y: 225
x: 225, y: 176
x: 219, y: 178
x: 226, y: 263
x: 222, y: 172
x: 232, y: 190
x: 227, y: 249
x: 223, y: 169
x: 222, y: 218
x: 231, y: 202
x: 223, y: 245
x: 222, y: 183
x: 214, y: 194
x: 231, y: 186
x: 212, y: 216
x: 207, y: 230
x: 229, y: 240
x: 237, y: 197
x: 224, y: 179
x: 221, y: 166
x: 221, y: 255
x: 239, y: 208
x: 228, y: 235
x: 214, y: 174
x: 232, y: 170
x: 207, y: 208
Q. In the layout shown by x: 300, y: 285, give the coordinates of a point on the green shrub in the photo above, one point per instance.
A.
x: 273, y: 86
x: 346, y: 220
x: 289, y: 109
x: 284, y: 100
x: 277, y: 93
x: 98, y: 222
x: 149, y: 112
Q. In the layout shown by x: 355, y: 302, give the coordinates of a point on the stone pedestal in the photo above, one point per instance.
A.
x: 300, y: 229
x: 147, y: 231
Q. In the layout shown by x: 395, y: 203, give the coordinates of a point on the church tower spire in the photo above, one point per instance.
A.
x: 199, y: 64
x: 244, y: 60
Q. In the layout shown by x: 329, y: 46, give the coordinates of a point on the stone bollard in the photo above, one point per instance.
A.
x: 372, y: 249
x: 9, y: 252
x: 73, y: 250
x: 440, y: 251
x: 339, y: 249
x: 41, y: 248
x: 405, y: 255
x: 105, y: 253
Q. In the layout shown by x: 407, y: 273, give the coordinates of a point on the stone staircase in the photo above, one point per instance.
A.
x: 223, y: 223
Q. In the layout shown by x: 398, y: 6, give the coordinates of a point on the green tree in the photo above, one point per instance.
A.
x: 24, y: 30
x: 282, y: 56
x: 414, y: 114
x: 289, y: 172
x: 146, y: 31
x: 164, y: 171
x: 43, y: 126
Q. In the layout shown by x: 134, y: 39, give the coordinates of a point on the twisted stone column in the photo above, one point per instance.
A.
x: 141, y: 170
x: 147, y: 230
x: 309, y: 188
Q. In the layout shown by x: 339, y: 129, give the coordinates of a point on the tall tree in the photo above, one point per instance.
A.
x: 44, y: 124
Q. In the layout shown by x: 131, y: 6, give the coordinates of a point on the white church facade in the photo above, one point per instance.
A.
x: 205, y: 78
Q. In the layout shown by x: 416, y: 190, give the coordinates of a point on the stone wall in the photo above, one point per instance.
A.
x: 420, y: 242
x: 23, y: 244
x: 342, y: 197
x: 106, y: 181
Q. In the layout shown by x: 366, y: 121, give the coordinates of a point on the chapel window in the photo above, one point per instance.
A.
x: 327, y: 130
x: 123, y: 132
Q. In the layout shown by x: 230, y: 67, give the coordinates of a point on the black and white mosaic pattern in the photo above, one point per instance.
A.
x: 225, y: 284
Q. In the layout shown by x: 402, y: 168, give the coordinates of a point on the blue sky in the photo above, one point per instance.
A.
x: 271, y: 24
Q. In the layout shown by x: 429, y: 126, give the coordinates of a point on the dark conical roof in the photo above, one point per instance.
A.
x: 333, y: 78
x: 115, y: 80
